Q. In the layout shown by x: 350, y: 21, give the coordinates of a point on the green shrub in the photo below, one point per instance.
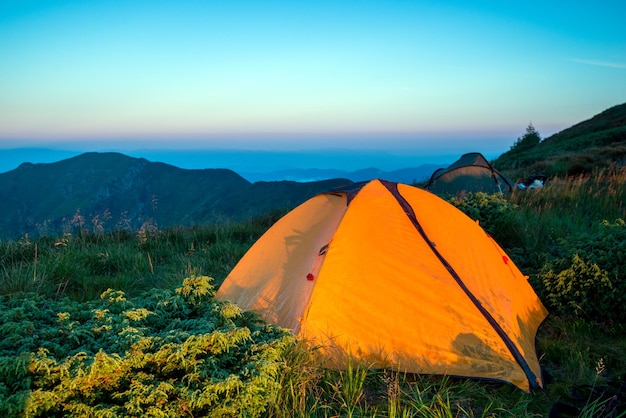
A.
x: 583, y: 289
x: 493, y: 212
x: 168, y: 353
x: 586, y: 278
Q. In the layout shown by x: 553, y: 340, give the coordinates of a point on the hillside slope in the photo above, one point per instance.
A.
x: 112, y: 190
x: 594, y: 143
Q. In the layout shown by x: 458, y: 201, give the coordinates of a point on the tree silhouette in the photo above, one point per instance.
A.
x: 528, y: 140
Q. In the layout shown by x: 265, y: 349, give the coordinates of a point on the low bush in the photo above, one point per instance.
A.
x: 169, y: 353
x: 587, y: 277
x: 491, y: 210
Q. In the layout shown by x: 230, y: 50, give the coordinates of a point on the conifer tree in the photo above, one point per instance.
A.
x: 528, y: 140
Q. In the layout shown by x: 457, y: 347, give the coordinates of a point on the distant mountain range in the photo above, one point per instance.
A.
x: 111, y: 190
x: 406, y: 175
x: 96, y: 191
x: 265, y: 165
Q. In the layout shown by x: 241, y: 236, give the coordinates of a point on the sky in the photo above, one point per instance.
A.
x: 398, y: 77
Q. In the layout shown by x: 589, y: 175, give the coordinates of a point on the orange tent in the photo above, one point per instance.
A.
x: 396, y: 277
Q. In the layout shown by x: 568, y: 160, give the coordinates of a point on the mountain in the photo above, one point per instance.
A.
x: 598, y: 142
x: 255, y: 165
x: 109, y: 190
x: 11, y: 158
x: 406, y: 175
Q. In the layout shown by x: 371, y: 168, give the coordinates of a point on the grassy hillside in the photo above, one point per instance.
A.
x: 160, y: 345
x: 599, y: 142
x: 107, y: 191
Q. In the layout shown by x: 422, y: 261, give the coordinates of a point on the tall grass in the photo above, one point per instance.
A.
x: 565, y: 208
x: 83, y: 265
x: 572, y: 205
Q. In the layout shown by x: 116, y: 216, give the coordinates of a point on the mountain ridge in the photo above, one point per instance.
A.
x: 416, y: 171
x: 112, y: 190
x: 405, y: 175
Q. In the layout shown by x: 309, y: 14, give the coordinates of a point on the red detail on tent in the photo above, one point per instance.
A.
x: 505, y: 259
x: 310, y: 277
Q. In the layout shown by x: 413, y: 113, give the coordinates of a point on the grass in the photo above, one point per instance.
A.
x: 566, y: 208
x: 83, y: 265
x: 584, y: 361
x: 575, y: 203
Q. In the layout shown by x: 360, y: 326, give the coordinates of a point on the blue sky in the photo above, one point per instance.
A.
x: 432, y: 76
